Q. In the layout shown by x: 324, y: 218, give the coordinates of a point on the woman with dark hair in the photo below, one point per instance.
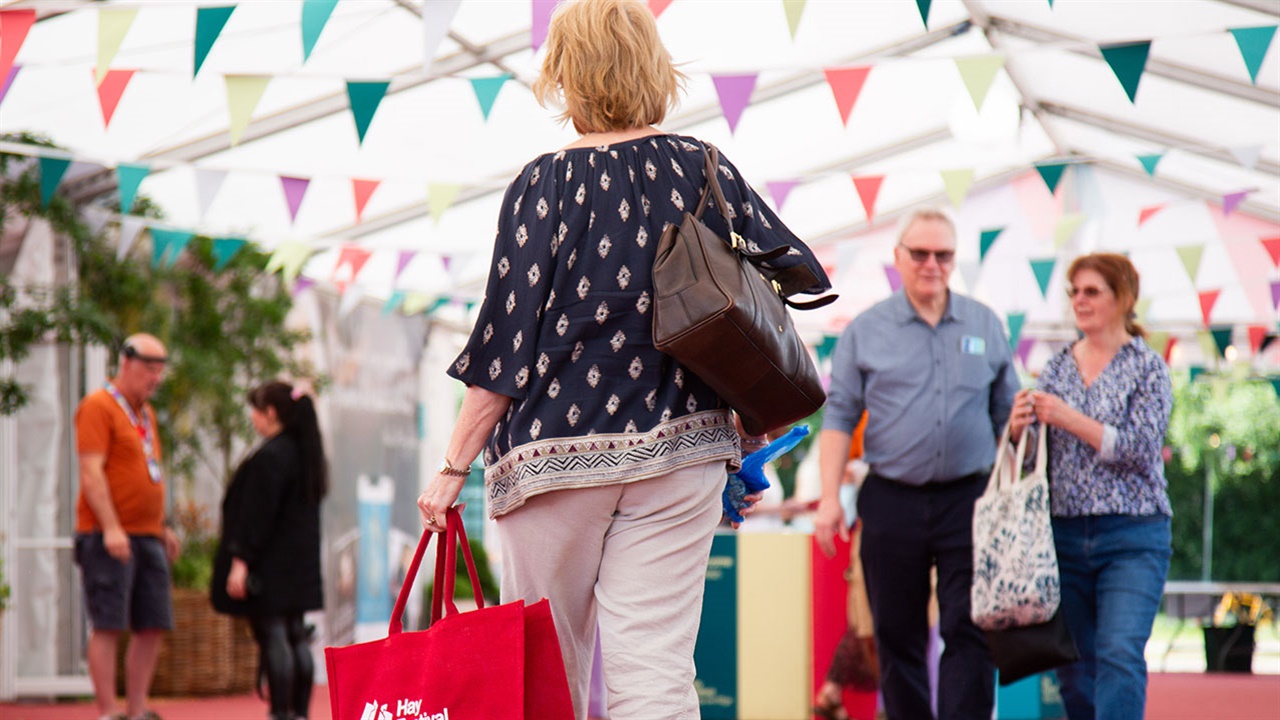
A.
x: 268, y: 562
x: 1106, y: 400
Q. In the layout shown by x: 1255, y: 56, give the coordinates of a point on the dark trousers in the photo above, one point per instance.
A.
x: 905, y: 531
x: 285, y: 658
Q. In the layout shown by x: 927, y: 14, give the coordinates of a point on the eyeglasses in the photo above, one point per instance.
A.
x: 1089, y: 292
x: 944, y: 257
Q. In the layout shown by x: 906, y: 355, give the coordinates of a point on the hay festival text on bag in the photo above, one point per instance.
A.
x: 493, y: 663
x: 721, y: 311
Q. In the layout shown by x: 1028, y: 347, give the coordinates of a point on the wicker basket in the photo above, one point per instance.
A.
x: 244, y: 657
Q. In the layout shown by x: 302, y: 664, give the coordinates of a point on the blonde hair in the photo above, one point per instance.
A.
x: 608, y: 65
x: 1121, y: 276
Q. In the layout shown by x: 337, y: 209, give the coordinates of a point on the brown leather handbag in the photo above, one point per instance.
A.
x: 721, y: 311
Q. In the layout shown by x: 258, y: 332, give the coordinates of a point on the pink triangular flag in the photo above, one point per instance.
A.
x: 1231, y: 201
x: 780, y: 189
x: 894, y: 277
x: 402, y: 262
x: 1146, y: 213
x: 657, y: 6
x: 1207, y: 300
x: 542, y: 10
x: 734, y: 92
x: 294, y: 190
x: 846, y: 85
x: 1272, y: 246
x: 363, y: 189
x: 110, y: 90
x: 1257, y: 333
x: 351, y: 260
x: 446, y: 261
x: 14, y: 26
x: 868, y: 188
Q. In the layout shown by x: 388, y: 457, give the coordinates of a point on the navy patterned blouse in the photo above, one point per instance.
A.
x: 1132, y: 398
x: 565, y: 329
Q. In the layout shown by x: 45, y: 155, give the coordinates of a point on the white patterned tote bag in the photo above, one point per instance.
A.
x: 1015, y: 566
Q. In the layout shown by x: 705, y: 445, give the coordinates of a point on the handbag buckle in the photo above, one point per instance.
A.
x: 736, y: 242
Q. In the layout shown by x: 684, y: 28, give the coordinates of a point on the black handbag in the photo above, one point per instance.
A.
x: 1023, y: 651
x: 721, y: 311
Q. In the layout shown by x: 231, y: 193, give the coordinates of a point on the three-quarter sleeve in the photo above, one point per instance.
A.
x: 1138, y: 438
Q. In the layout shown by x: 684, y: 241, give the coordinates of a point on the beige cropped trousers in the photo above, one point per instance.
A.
x: 631, y: 557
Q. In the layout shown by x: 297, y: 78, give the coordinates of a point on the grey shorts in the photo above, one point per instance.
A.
x: 119, y: 596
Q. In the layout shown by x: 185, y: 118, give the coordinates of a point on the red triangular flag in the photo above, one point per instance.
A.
x: 1207, y: 299
x: 1168, y: 349
x: 868, y: 188
x: 14, y: 26
x: 1257, y: 333
x: 110, y: 90
x: 363, y: 190
x: 1146, y: 213
x: 351, y: 260
x: 657, y: 6
x: 1272, y: 245
x: 846, y: 84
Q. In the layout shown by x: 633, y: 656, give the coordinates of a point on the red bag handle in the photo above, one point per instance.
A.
x: 442, y: 592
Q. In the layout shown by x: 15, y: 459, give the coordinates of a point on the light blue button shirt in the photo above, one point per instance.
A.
x: 936, y: 398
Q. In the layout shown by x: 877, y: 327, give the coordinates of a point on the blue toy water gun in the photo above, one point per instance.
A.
x: 750, y: 478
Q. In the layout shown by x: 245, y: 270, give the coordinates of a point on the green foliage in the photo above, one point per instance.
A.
x: 4, y: 589
x: 462, y: 589
x: 194, y: 567
x: 1243, y: 415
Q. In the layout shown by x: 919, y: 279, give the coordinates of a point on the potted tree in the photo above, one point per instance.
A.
x: 1229, y: 640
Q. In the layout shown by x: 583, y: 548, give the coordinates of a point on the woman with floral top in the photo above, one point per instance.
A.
x: 605, y: 459
x: 1106, y: 401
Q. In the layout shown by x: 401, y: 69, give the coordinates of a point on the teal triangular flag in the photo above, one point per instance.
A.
x: 1221, y: 338
x: 1127, y: 61
x: 168, y: 244
x: 128, y: 177
x: 985, y: 241
x: 1016, y: 320
x: 393, y: 302
x: 486, y: 90
x: 51, y: 172
x: 1051, y: 173
x: 224, y: 249
x: 364, y: 98
x: 826, y: 347
x: 1050, y: 4
x: 1253, y: 42
x: 1275, y: 384
x: 209, y: 24
x: 923, y: 5
x: 1196, y: 371
x: 1043, y: 270
x: 1149, y: 162
x: 315, y: 14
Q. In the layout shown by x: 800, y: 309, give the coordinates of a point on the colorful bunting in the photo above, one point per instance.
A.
x: 416, y: 302
x: 657, y: 6
x: 978, y: 72
x: 1016, y: 321
x: 1194, y: 372
x: 1168, y: 350
x: 167, y: 244
x: 440, y: 197
x: 1066, y: 228
x: 14, y: 26
x: 8, y: 81
x: 402, y: 262
x: 1051, y: 173
x: 1275, y: 384
x: 51, y: 172
x: 779, y: 190
x: 437, y: 18
x: 209, y: 24
x: 894, y: 277
x: 734, y: 92
x: 969, y: 272
x: 1190, y: 256
x: 985, y: 239
x: 957, y: 184
x: 486, y: 90
x: 302, y: 285
x: 1257, y: 334
x: 868, y: 188
x: 295, y: 188
x: 110, y: 88
x: 1149, y: 162
x: 1207, y: 300
x: 1208, y: 347
x: 351, y: 260
x: 208, y: 183
x: 923, y: 6
x: 363, y: 190
x: 393, y: 302
x: 1043, y: 270
x: 542, y: 10
x: 130, y: 227
x: 225, y: 248
x: 1145, y: 213
x: 1253, y: 43
x: 794, y: 10
x: 1231, y: 201
x: 826, y: 346
x: 1158, y: 340
x: 1023, y: 352
x: 364, y: 98
x: 128, y: 177
x: 1272, y: 246
x: 846, y: 84
x: 1275, y: 294
x: 1127, y: 61
x: 315, y: 15
x: 1221, y: 339
x: 243, y: 94
x: 289, y: 257
x: 113, y: 25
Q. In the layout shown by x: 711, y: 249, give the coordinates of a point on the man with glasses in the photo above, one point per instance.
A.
x: 123, y: 546
x: 933, y: 369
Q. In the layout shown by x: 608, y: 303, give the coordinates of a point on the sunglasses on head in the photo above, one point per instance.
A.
x: 943, y: 257
x: 132, y: 353
x: 1089, y: 292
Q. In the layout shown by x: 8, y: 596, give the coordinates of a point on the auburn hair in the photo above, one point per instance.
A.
x: 1121, y: 276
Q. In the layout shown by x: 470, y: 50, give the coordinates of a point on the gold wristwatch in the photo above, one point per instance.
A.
x: 447, y: 469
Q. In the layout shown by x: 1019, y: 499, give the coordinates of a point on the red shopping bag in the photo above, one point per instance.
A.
x: 494, y: 663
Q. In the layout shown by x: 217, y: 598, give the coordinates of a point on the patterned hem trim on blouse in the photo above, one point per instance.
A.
x: 609, y: 459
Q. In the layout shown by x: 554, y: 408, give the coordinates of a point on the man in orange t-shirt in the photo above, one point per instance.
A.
x: 123, y: 547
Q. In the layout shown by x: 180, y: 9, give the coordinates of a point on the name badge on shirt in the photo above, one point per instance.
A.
x: 971, y: 345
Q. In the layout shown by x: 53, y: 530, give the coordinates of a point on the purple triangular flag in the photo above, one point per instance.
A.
x: 4, y: 88
x: 294, y: 189
x: 402, y: 262
x: 1231, y: 201
x: 894, y: 277
x: 1275, y: 294
x: 1024, y: 349
x: 302, y: 283
x: 542, y: 10
x: 780, y: 189
x: 735, y: 93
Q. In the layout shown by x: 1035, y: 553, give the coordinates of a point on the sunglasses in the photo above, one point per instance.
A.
x: 132, y: 353
x: 944, y: 257
x: 1089, y: 292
